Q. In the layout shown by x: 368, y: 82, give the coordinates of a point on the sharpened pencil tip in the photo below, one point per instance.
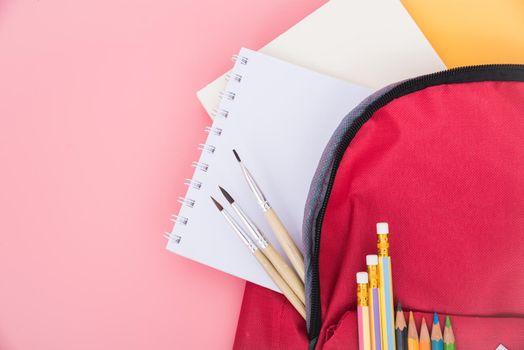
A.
x: 237, y: 156
x: 399, y: 307
x: 217, y: 204
x: 411, y: 315
x: 227, y: 195
x: 435, y: 318
x: 448, y: 322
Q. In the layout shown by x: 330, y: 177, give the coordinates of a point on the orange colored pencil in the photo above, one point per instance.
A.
x: 425, y: 341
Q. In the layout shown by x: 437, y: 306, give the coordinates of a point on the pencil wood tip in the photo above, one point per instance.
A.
x: 227, y: 195
x: 219, y: 207
x: 237, y: 156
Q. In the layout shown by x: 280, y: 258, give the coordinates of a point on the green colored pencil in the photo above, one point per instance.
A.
x: 449, y: 337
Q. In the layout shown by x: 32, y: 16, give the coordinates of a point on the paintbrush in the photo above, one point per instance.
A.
x: 261, y: 258
x: 287, y: 273
x: 294, y: 255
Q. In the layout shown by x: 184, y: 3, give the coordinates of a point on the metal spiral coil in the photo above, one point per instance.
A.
x: 172, y: 237
x: 242, y: 59
x: 229, y: 95
x: 188, y: 202
x: 193, y: 184
x: 213, y: 130
x: 179, y: 219
x: 216, y: 131
x: 220, y: 113
x: 200, y: 166
x: 208, y: 148
x: 235, y: 76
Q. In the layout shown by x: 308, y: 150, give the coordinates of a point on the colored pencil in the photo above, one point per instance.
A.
x: 449, y: 337
x: 385, y: 287
x: 412, y: 333
x: 401, y: 329
x: 374, y: 302
x: 364, y: 340
x: 436, y: 335
x: 424, y: 342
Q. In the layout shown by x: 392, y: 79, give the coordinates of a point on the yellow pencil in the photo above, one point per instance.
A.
x: 374, y: 302
x: 364, y: 340
x: 386, y: 288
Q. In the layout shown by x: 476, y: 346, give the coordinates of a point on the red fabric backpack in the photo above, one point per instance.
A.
x: 441, y: 159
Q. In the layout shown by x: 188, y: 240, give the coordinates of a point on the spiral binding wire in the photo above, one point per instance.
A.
x: 216, y: 131
x: 179, y: 219
x: 242, y: 59
x: 229, y: 95
x: 188, y: 202
x: 236, y: 77
x: 220, y: 112
x: 193, y: 184
x: 208, y: 148
x: 201, y: 166
x: 172, y: 237
x: 213, y: 130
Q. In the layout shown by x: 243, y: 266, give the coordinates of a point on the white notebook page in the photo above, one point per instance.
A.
x: 279, y: 122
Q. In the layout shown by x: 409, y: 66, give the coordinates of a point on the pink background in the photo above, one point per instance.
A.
x: 99, y: 125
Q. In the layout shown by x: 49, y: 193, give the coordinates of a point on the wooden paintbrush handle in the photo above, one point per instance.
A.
x: 281, y: 284
x: 287, y: 273
x: 294, y: 255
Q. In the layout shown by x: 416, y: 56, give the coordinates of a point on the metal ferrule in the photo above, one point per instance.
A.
x: 256, y: 233
x: 382, y: 245
x: 259, y: 195
x: 243, y: 236
x: 373, y: 276
x: 362, y: 294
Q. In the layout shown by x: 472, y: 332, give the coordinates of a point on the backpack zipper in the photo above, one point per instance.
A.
x: 491, y: 72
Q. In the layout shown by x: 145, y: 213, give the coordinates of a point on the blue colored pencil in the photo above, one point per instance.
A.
x: 437, y: 342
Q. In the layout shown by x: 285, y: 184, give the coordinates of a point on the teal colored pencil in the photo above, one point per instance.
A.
x: 449, y: 337
x: 437, y: 343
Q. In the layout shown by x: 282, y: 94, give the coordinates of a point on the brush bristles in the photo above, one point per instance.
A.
x: 237, y: 156
x: 220, y: 207
x: 227, y: 195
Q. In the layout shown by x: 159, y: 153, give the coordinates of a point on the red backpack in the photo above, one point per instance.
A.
x: 441, y: 158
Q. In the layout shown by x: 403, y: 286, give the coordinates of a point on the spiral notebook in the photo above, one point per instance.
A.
x: 279, y: 117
